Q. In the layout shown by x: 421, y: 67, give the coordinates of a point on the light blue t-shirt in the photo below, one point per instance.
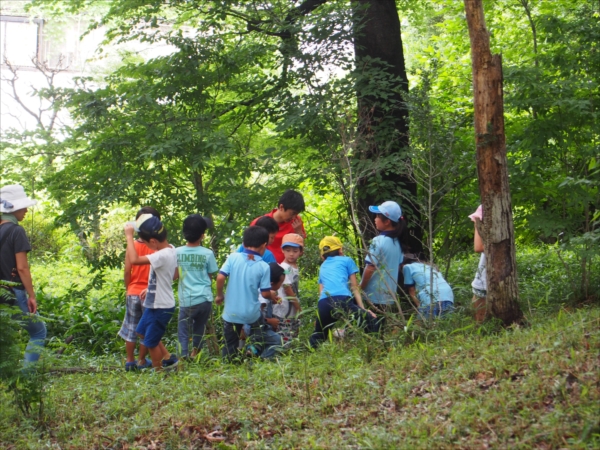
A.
x: 194, y: 265
x: 334, y: 274
x: 247, y: 274
x: 267, y: 256
x: 419, y: 276
x: 385, y: 254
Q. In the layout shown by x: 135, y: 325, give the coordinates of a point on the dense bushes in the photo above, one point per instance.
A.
x: 76, y: 301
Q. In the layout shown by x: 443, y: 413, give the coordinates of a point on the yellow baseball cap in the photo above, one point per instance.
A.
x: 329, y: 244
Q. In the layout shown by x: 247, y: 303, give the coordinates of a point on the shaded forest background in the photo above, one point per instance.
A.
x: 257, y: 97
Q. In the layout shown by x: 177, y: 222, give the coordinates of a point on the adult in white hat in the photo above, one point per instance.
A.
x: 14, y: 266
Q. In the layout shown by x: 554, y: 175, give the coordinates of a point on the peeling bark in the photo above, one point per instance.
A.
x: 492, y: 171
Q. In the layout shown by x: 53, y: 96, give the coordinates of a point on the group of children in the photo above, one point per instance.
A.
x: 258, y: 284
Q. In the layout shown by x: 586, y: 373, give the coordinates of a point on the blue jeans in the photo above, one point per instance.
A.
x: 193, y: 319
x: 439, y: 309
x: 33, y: 324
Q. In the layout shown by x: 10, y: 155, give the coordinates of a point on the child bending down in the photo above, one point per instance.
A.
x: 336, y: 298
x: 272, y: 340
x: 427, y: 288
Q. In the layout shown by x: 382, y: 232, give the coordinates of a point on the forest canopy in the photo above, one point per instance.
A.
x: 255, y: 97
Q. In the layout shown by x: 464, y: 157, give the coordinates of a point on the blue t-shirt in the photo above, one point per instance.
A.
x: 419, y: 276
x: 194, y: 265
x: 246, y: 277
x: 385, y: 254
x: 267, y: 256
x: 334, y: 274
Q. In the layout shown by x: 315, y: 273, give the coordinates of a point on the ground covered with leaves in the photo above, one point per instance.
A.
x: 529, y: 387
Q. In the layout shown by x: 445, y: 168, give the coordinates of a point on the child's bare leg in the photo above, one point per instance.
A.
x: 480, y: 307
x: 164, y: 352
x: 157, y: 356
x: 130, y: 349
x: 143, y: 353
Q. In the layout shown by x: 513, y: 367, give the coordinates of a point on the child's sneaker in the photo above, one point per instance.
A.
x: 131, y: 366
x: 171, y: 361
x: 146, y: 365
x: 339, y: 333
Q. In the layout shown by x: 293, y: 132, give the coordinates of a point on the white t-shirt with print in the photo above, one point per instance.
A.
x: 285, y: 309
x: 163, y: 264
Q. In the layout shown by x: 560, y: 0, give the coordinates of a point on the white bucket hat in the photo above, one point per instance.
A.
x: 13, y: 198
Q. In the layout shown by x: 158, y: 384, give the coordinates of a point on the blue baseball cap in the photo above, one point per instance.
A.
x: 149, y: 224
x: 389, y: 209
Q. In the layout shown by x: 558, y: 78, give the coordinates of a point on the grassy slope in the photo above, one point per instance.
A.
x: 531, y: 387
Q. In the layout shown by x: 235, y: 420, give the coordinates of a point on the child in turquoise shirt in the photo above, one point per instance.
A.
x: 197, y: 266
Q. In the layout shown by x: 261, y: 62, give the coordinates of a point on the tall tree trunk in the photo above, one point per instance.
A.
x: 383, y: 131
x: 492, y: 170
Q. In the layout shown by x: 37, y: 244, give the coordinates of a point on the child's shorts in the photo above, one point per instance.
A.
x: 133, y: 314
x: 153, y: 325
x: 479, y: 293
x: 288, y: 329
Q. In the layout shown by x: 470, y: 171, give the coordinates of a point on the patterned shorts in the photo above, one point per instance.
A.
x: 133, y: 314
x: 288, y: 329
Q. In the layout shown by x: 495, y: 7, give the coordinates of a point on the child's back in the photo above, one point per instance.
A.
x: 334, y: 274
x: 248, y: 274
x: 195, y: 264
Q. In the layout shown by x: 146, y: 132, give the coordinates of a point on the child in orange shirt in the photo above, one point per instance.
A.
x: 136, y: 280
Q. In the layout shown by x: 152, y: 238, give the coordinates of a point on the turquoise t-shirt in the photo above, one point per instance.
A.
x: 419, y: 276
x: 385, y: 254
x: 334, y: 274
x: 194, y: 265
x: 248, y: 274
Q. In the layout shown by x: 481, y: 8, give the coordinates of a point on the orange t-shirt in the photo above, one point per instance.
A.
x: 139, y: 274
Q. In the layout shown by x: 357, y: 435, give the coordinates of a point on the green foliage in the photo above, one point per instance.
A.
x: 76, y: 301
x: 26, y: 385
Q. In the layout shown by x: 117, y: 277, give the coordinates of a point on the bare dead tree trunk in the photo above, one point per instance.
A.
x: 492, y: 169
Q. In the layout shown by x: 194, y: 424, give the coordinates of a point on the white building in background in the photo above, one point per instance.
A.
x: 28, y: 44
x: 59, y: 46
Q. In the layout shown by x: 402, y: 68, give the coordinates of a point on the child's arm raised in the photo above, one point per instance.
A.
x: 356, y: 290
x: 131, y: 254
x: 127, y: 274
